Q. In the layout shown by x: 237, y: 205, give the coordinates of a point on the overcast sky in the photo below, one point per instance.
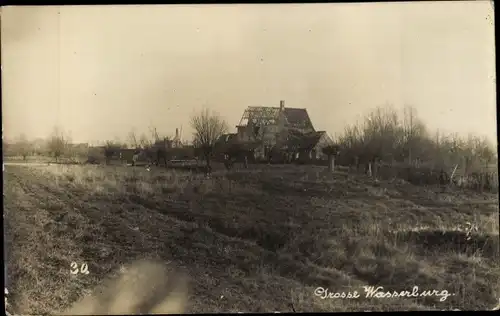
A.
x: 99, y: 71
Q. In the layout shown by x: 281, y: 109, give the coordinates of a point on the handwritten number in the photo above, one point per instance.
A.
x: 84, y: 269
x: 74, y: 268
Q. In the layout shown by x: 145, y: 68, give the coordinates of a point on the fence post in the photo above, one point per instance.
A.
x: 331, y: 163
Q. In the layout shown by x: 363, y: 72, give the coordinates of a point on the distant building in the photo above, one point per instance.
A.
x: 279, y: 130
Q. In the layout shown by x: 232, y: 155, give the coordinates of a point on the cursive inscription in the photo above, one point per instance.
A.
x: 325, y: 293
x: 380, y: 292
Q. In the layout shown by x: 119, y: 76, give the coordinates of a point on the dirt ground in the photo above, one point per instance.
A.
x: 257, y: 240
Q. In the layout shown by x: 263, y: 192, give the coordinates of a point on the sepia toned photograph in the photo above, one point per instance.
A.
x: 236, y: 158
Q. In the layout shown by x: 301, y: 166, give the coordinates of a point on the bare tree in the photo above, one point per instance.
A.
x: 144, y: 141
x: 383, y: 136
x: 133, y: 139
x: 414, y: 132
x: 486, y: 151
x: 208, y: 127
x: 57, y: 143
x: 23, y: 147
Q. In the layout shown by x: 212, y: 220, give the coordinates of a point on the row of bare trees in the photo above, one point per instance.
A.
x: 56, y: 145
x: 21, y: 146
x: 208, y: 126
x: 386, y: 135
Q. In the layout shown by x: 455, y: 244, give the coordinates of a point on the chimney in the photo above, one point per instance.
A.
x: 176, y: 133
x: 282, y: 105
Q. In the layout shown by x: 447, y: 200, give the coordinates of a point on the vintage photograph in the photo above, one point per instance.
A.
x: 333, y: 157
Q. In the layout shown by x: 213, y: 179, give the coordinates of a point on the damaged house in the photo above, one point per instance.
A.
x: 279, y: 133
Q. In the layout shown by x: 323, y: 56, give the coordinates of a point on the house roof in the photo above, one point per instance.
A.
x: 225, y: 139
x: 295, y: 117
x: 297, y: 140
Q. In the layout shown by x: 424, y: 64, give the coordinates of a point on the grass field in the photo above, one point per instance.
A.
x: 257, y: 240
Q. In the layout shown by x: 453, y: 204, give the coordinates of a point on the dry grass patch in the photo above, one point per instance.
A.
x: 251, y: 240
